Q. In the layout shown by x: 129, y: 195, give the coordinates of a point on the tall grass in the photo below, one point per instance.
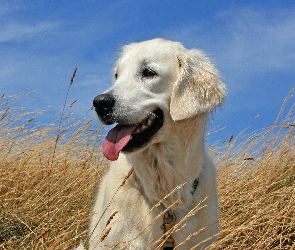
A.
x: 256, y: 185
x: 48, y: 176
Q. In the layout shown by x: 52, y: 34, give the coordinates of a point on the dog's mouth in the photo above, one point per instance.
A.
x: 128, y: 138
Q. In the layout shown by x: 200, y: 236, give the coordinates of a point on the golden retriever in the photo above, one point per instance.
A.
x: 160, y: 101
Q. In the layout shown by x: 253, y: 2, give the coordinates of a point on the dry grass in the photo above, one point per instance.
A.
x: 47, y: 179
x: 257, y: 188
x: 48, y: 175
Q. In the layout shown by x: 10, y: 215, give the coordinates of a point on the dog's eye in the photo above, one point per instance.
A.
x: 116, y: 75
x: 147, y: 72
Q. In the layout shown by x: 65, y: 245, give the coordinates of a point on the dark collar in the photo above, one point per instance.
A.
x: 195, y: 185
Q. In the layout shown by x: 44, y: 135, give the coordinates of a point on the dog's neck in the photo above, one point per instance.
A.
x: 172, y: 163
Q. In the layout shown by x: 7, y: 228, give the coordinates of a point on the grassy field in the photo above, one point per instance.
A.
x: 48, y: 176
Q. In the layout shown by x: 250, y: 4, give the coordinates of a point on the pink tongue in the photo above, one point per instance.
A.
x: 116, y: 140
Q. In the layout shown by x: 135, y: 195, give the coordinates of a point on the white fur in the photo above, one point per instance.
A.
x: 186, y: 88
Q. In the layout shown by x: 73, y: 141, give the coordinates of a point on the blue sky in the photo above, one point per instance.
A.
x: 251, y: 42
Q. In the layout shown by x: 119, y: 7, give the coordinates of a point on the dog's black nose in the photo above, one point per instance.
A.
x: 104, y: 104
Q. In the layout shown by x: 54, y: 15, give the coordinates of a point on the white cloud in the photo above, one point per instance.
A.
x: 18, y: 31
x: 7, y: 8
x: 260, y: 40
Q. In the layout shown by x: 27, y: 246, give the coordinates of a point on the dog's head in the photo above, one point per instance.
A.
x: 155, y: 81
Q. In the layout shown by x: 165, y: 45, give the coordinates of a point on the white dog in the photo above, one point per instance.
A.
x: 160, y: 100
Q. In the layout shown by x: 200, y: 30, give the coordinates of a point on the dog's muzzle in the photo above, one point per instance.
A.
x: 124, y: 136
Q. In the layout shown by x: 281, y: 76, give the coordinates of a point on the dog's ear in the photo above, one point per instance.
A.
x: 198, y: 89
